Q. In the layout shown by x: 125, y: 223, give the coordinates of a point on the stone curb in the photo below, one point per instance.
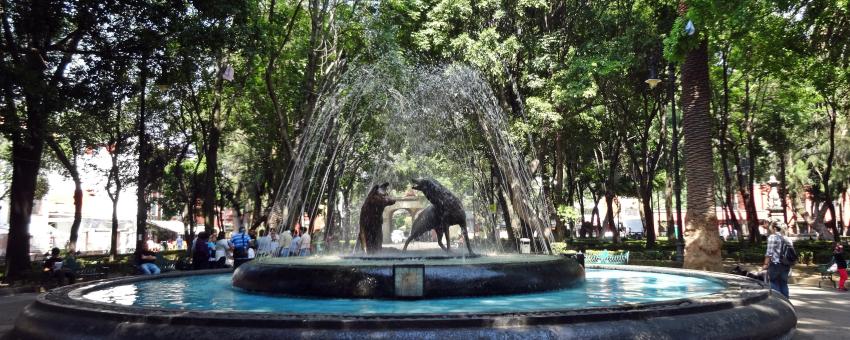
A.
x: 18, y: 290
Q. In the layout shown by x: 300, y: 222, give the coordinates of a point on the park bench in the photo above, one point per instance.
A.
x: 93, y: 272
x: 606, y: 257
x: 80, y: 273
x: 165, y: 265
x: 825, y: 274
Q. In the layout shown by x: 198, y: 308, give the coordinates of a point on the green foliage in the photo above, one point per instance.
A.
x: 570, y: 76
x: 678, y: 42
x: 568, y: 213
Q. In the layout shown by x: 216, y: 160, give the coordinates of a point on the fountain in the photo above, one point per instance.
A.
x: 387, y: 293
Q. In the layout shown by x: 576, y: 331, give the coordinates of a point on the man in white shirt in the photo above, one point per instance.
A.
x: 285, y: 242
x: 264, y: 242
x: 305, y: 242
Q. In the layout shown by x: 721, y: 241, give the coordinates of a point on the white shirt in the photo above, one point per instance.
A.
x: 264, y: 244
x: 285, y: 239
x: 305, y: 241
x: 221, y: 247
x: 251, y: 253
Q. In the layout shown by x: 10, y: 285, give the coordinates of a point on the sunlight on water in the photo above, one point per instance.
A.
x: 214, y: 293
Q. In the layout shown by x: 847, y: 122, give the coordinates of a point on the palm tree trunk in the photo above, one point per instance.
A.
x: 702, y: 250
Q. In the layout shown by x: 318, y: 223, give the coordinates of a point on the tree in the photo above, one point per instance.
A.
x: 38, y: 46
x: 828, y: 67
x: 702, y: 250
x: 69, y: 155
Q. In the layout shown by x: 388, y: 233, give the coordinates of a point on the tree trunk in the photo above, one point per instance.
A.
x: 26, y: 161
x: 330, y: 211
x: 724, y: 153
x: 506, y: 215
x: 113, y: 243
x: 834, y: 225
x: 668, y: 205
x: 831, y: 112
x: 595, y: 219
x: 257, y: 213
x: 346, y: 220
x: 703, y: 240
x: 581, y: 203
x: 783, y: 188
x: 752, y: 215
x: 609, y: 216
x: 819, y: 225
x: 800, y: 209
x: 144, y: 150
x: 78, y: 216
x: 308, y: 89
x: 71, y: 167
x: 211, y: 157
x: 558, y: 192
x: 649, y: 224
x: 843, y: 227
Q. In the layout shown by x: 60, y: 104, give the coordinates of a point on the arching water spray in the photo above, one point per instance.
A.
x: 449, y: 111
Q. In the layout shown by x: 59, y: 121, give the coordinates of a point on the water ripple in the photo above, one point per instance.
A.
x: 215, y: 293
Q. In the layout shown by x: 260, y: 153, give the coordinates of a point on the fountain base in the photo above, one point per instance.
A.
x: 408, y: 277
x: 745, y: 309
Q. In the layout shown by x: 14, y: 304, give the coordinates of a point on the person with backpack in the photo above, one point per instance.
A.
x: 779, y: 258
x: 240, y: 242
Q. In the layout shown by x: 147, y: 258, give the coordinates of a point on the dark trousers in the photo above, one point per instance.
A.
x: 778, y: 275
x: 58, y: 276
x: 239, y: 261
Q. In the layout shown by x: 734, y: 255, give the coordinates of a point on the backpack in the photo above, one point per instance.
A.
x: 787, y: 254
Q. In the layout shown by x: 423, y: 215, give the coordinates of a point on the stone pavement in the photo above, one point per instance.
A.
x: 822, y: 313
x: 10, y: 307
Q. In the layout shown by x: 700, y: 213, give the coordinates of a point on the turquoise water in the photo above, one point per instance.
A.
x: 215, y: 293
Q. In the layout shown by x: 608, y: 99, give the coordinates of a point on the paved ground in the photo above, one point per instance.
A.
x: 823, y: 313
x: 10, y: 307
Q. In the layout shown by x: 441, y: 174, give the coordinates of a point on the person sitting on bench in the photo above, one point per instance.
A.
x: 146, y: 260
x: 53, y: 268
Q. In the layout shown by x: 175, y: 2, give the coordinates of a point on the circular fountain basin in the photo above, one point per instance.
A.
x: 408, y: 277
x: 615, y: 302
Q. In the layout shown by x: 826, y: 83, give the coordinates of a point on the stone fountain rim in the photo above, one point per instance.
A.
x: 740, y: 291
x: 389, y: 261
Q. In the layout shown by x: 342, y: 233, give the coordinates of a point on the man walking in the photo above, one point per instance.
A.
x: 777, y: 272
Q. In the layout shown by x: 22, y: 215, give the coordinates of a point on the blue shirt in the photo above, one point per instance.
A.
x: 240, y: 240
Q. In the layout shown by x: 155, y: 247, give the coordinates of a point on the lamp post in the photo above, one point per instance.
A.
x: 677, y: 184
x: 653, y: 81
x: 774, y: 205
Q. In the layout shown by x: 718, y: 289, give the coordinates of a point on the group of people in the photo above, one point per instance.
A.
x: 211, y: 250
x: 290, y: 243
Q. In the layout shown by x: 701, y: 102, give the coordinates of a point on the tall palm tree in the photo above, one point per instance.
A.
x: 702, y: 249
